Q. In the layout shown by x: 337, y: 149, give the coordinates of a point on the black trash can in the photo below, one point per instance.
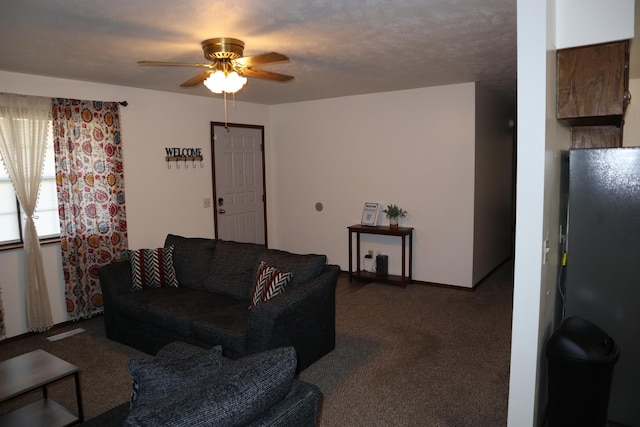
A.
x: 581, y: 360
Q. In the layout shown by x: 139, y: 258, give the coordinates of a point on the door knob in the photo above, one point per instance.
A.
x: 221, y: 211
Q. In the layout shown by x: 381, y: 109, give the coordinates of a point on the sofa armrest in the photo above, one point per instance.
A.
x: 115, y: 279
x: 237, y: 394
x: 302, y: 317
x: 298, y: 409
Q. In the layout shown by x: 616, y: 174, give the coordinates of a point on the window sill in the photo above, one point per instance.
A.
x: 43, y: 242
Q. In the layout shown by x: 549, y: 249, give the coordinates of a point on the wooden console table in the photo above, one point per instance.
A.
x: 402, y: 232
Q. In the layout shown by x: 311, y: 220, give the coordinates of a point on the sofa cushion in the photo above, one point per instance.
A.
x: 136, y: 304
x: 303, y: 267
x: 174, y: 309
x: 269, y: 282
x: 177, y: 350
x: 156, y: 379
x: 152, y: 268
x: 234, y: 269
x: 239, y: 392
x: 225, y: 326
x: 192, y: 259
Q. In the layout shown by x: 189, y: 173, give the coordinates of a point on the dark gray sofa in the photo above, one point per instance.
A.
x: 210, y: 305
x: 184, y: 385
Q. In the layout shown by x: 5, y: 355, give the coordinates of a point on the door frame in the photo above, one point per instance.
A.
x: 213, y: 174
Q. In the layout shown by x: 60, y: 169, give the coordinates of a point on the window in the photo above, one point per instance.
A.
x: 12, y: 217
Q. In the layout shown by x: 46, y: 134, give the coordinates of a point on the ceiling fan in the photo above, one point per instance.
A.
x: 228, y: 65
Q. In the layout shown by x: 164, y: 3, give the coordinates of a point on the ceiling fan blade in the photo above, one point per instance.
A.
x: 265, y: 58
x: 267, y: 75
x: 173, y: 64
x: 196, y: 80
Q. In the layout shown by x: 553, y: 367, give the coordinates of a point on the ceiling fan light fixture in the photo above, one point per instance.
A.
x: 220, y: 81
x: 215, y: 82
x: 235, y: 82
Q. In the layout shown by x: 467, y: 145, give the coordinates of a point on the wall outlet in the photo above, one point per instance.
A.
x: 206, y: 202
x: 370, y: 252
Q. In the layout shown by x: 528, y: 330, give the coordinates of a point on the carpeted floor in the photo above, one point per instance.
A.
x: 104, y: 378
x: 420, y: 356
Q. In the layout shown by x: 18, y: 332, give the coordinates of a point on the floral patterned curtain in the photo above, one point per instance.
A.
x: 90, y: 184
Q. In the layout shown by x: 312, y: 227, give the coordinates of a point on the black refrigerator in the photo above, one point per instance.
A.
x: 603, y: 261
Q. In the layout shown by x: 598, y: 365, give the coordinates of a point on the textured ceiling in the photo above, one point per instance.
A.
x: 336, y: 47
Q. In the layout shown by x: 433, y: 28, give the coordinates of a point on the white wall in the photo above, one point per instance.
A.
x: 537, y: 171
x: 414, y: 148
x: 631, y: 129
x: 494, y: 183
x: 159, y: 200
x: 593, y: 21
x: 13, y: 290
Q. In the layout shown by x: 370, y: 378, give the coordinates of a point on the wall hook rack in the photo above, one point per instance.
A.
x: 185, y: 159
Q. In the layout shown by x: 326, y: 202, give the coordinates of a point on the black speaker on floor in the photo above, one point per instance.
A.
x: 382, y: 265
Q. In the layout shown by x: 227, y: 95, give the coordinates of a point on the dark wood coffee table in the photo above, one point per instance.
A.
x: 31, y: 371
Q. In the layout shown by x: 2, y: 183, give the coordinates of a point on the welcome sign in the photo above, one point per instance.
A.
x: 183, y: 152
x: 177, y: 154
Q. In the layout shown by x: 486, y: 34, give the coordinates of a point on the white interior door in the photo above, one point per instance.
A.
x: 239, y: 196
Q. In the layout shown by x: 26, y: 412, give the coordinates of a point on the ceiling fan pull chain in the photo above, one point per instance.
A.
x: 226, y: 126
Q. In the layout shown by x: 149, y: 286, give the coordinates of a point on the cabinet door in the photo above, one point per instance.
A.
x: 592, y: 84
x: 596, y: 137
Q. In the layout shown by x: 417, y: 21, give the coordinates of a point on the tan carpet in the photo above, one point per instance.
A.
x: 420, y: 356
x: 104, y: 378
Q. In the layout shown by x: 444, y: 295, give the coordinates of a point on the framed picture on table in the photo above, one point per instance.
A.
x: 370, y: 214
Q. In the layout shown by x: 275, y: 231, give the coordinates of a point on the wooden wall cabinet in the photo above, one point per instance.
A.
x: 593, y: 93
x: 596, y: 136
x: 593, y: 84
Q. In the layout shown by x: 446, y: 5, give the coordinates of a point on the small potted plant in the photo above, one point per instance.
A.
x: 393, y: 212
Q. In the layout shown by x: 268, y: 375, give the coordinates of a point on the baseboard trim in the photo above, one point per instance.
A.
x: 453, y: 287
x: 54, y: 328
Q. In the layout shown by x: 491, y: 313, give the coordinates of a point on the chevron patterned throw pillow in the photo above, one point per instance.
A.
x: 152, y: 268
x: 269, y: 282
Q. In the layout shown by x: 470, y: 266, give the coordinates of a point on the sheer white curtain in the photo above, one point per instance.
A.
x: 24, y: 123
